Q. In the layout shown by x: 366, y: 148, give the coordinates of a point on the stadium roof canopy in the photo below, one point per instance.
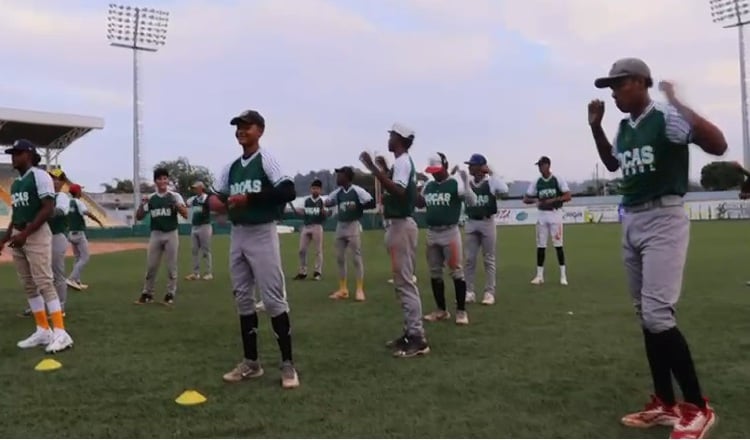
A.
x: 52, y: 132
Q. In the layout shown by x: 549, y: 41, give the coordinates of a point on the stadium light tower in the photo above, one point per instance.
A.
x: 734, y: 13
x: 137, y: 29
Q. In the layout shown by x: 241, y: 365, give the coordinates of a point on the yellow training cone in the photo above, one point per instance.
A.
x: 191, y: 397
x: 48, y: 365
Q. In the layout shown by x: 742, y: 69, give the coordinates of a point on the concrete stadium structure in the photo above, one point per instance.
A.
x: 52, y: 133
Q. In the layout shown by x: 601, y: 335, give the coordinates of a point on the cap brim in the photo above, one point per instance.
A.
x: 236, y: 121
x: 608, y: 81
x: 435, y: 169
x: 10, y: 150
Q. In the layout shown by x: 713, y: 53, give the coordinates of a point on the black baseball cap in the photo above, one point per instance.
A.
x: 24, y: 145
x: 476, y: 159
x: 624, y: 68
x: 316, y: 183
x: 543, y: 159
x: 251, y: 117
x: 347, y: 171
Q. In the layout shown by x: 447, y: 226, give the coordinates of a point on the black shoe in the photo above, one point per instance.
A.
x: 397, y: 343
x: 300, y: 276
x: 168, y: 299
x: 414, y: 346
x: 317, y: 276
x: 145, y: 298
x: 25, y: 314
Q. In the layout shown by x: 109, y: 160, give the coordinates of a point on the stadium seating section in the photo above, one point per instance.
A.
x: 7, y: 174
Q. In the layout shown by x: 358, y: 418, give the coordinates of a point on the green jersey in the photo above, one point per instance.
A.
x: 199, y: 212
x: 487, y: 191
x: 163, y: 210
x: 404, y: 175
x: 76, y: 219
x: 653, y: 154
x: 350, y: 202
x: 58, y: 223
x: 248, y: 176
x: 27, y: 193
x: 546, y: 188
x: 443, y: 201
x: 314, y: 211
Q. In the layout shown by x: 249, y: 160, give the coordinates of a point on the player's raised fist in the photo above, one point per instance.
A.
x: 667, y: 87
x: 596, y: 112
x: 144, y: 200
x: 366, y: 160
x: 381, y: 162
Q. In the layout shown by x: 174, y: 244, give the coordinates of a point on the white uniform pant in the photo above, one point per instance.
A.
x: 549, y: 224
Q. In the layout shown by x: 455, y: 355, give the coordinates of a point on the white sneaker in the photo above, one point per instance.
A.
x: 74, y: 284
x: 259, y: 306
x: 61, y: 340
x: 39, y: 337
x: 208, y: 277
x: 537, y: 280
x: 488, y: 299
x: 471, y: 297
x: 391, y: 281
x: 564, y: 281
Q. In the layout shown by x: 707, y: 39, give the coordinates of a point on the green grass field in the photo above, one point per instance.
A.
x: 523, y: 368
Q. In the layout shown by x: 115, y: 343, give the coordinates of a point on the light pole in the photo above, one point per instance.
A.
x: 732, y: 13
x: 137, y: 29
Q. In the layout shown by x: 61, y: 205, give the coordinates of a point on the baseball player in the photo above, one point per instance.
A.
x: 480, y: 228
x: 548, y: 192
x: 201, y: 232
x: 350, y: 201
x: 30, y: 238
x: 254, y: 190
x: 651, y: 149
x: 77, y: 235
x: 442, y: 198
x: 399, y: 197
x: 314, y: 214
x: 58, y: 225
x: 163, y: 206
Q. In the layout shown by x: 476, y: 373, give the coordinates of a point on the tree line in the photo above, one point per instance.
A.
x: 715, y: 176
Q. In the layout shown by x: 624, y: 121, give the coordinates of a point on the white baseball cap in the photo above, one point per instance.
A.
x: 435, y: 164
x: 401, y: 130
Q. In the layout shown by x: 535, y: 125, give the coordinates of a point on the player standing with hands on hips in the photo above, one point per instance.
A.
x: 401, y: 234
x: 481, y: 229
x: 164, y: 242
x: 30, y: 238
x: 651, y: 149
x: 549, y: 192
x: 254, y: 190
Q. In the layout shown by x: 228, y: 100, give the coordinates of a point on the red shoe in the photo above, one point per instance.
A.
x: 656, y: 413
x: 694, y: 422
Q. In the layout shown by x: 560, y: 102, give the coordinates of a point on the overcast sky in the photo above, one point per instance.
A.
x: 509, y: 79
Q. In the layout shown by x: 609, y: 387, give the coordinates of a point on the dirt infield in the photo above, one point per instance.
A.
x: 95, y: 247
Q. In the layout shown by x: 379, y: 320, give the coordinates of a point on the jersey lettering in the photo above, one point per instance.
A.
x: 20, y: 199
x: 437, y: 199
x: 637, y: 160
x: 246, y: 187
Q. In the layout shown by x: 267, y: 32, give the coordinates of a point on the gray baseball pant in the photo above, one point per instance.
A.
x: 80, y: 252
x: 201, y: 247
x: 348, y: 238
x: 655, y: 244
x: 444, y: 248
x: 401, y: 237
x: 255, y: 263
x: 162, y: 245
x: 59, y: 248
x: 311, y: 234
x: 481, y: 234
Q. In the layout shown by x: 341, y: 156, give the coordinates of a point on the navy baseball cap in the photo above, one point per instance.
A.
x: 251, y: 117
x: 476, y: 159
x: 543, y: 159
x: 317, y: 183
x: 24, y: 145
x: 347, y: 171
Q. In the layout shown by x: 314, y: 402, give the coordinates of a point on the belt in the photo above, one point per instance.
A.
x: 659, y: 202
x: 441, y: 227
x: 486, y: 217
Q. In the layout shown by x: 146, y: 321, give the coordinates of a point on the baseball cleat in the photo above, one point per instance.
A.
x: 694, y: 422
x: 462, y: 318
x: 471, y: 297
x: 437, y: 315
x: 73, y: 284
x: 564, y: 281
x: 359, y: 295
x: 42, y: 336
x: 25, y: 314
x: 339, y: 294
x: 168, y: 299
x: 317, y: 276
x: 145, y: 298
x: 412, y: 346
x: 489, y: 299
x: 537, y: 281
x: 243, y: 371
x: 300, y: 276
x: 289, y: 376
x: 61, y: 341
x: 259, y: 306
x: 655, y: 413
x: 192, y: 277
x: 208, y: 277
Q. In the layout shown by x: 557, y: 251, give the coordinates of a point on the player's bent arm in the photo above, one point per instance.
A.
x: 62, y: 205
x: 94, y: 218
x: 703, y: 133
x: 371, y: 204
x: 45, y: 212
x: 604, y: 148
x: 182, y: 209
x: 280, y: 194
x: 140, y: 213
